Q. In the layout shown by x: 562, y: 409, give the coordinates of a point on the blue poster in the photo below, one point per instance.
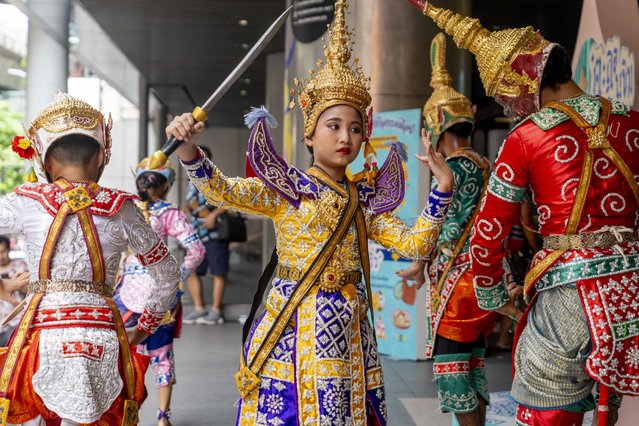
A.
x: 395, y: 301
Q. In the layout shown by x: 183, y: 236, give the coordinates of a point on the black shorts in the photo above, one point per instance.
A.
x: 444, y: 346
x: 216, y: 258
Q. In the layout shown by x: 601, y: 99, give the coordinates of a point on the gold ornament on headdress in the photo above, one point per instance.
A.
x: 336, y: 82
x: 165, y: 170
x: 497, y: 54
x: 67, y: 115
x: 446, y: 106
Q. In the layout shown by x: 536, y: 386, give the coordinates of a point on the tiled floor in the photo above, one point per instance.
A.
x: 207, y: 358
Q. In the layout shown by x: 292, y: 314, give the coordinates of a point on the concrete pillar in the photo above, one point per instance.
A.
x: 155, y: 133
x: 143, y: 130
x: 48, y: 52
x: 393, y: 40
x: 275, y: 93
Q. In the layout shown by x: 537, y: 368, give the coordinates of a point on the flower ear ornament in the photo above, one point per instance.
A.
x: 23, y: 147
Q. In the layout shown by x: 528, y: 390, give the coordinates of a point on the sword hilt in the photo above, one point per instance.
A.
x: 159, y: 158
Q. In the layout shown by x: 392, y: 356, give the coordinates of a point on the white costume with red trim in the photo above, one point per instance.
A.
x: 78, y: 376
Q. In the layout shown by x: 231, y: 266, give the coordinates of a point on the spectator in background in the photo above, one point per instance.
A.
x: 165, y: 218
x: 203, y: 219
x: 9, y: 268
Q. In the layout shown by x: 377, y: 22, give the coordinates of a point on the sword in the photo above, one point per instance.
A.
x: 17, y: 310
x: 159, y: 158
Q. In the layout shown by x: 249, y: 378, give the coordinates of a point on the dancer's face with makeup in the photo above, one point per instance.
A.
x: 337, y: 139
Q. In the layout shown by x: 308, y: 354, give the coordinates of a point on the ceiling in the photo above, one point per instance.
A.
x: 186, y: 48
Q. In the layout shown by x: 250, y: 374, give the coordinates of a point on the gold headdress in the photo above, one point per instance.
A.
x: 446, y: 106
x: 65, y: 115
x: 336, y: 82
x: 510, y: 62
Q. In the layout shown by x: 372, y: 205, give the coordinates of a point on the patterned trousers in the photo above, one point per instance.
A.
x: 460, y: 375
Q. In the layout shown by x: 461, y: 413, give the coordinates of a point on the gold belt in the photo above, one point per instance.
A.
x: 605, y: 239
x: 331, y: 279
x: 73, y: 286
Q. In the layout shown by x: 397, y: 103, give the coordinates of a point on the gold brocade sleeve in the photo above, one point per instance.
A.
x: 413, y: 243
x: 249, y: 195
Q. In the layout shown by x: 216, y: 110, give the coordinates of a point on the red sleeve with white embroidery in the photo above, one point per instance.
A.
x: 506, y: 188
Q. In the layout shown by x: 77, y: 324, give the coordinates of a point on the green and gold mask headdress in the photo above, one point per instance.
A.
x: 446, y: 106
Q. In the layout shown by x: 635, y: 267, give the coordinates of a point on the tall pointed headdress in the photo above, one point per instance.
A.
x: 510, y: 62
x: 336, y: 82
x: 446, y: 106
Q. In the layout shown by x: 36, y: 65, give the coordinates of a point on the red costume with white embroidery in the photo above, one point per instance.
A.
x: 578, y: 156
x: 69, y: 357
x: 546, y: 153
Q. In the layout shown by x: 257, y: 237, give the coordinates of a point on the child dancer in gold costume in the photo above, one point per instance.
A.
x: 311, y: 358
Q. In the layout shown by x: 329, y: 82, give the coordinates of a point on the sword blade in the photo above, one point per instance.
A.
x: 17, y: 310
x: 257, y: 48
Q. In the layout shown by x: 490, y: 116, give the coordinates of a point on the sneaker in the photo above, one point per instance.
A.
x: 193, y: 316
x: 212, y: 318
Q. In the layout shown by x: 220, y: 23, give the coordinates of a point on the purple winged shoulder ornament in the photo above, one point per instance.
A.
x: 264, y: 162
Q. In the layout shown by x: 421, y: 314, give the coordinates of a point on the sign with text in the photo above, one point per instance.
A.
x: 311, y: 17
x: 607, y: 69
x: 604, y: 59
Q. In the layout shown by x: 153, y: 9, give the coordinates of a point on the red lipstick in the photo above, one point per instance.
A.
x: 344, y: 151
